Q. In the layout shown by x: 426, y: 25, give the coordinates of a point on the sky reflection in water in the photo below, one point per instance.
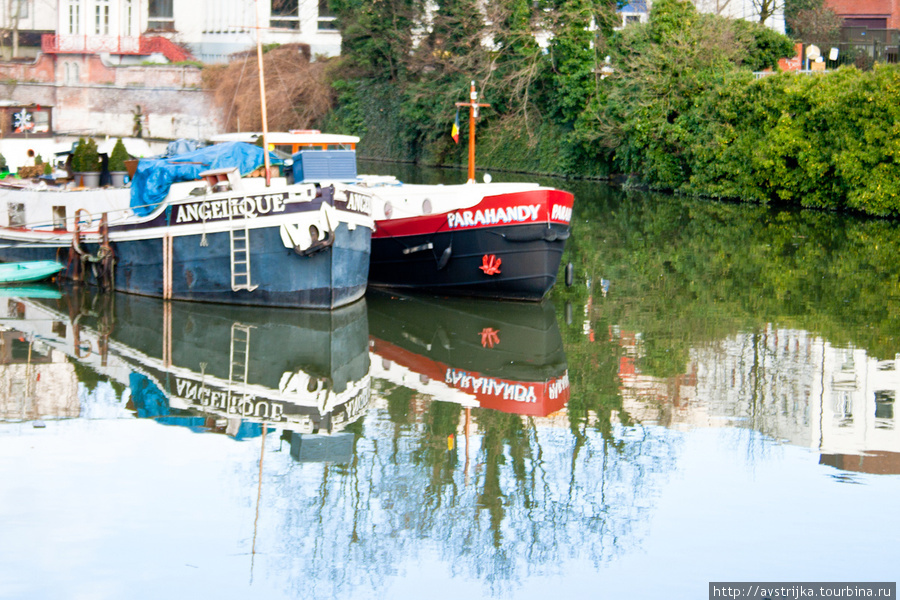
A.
x: 717, y: 428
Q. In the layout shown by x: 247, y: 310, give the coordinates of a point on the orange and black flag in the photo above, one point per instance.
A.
x: 454, y: 132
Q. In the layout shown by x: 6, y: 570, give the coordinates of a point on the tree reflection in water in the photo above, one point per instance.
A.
x: 535, y: 497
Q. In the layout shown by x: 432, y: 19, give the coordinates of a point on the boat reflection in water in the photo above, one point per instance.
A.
x: 504, y: 356
x: 236, y: 370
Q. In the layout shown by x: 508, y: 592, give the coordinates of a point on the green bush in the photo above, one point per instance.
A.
x: 118, y: 156
x: 85, y: 158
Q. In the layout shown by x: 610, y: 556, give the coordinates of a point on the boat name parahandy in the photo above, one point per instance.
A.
x: 558, y: 386
x: 236, y: 404
x: 248, y: 206
x: 493, y: 216
x: 488, y: 385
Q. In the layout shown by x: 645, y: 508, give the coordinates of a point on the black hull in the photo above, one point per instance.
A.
x: 528, y: 347
x: 529, y: 257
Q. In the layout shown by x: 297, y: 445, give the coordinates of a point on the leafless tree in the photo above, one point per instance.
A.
x: 297, y: 94
x: 767, y: 9
x: 820, y: 26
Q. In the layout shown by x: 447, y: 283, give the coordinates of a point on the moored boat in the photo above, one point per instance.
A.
x: 476, y: 353
x: 28, y: 272
x: 212, y: 367
x: 195, y: 227
x: 493, y: 240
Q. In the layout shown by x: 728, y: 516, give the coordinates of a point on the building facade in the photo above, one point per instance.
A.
x: 872, y: 14
x: 209, y: 30
x: 637, y: 11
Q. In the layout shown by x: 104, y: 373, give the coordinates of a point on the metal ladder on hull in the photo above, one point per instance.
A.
x: 240, y: 256
x: 239, y: 362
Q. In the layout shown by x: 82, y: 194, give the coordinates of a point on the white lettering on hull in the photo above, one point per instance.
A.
x: 561, y: 212
x: 250, y: 206
x: 239, y: 405
x: 489, y: 386
x: 494, y: 216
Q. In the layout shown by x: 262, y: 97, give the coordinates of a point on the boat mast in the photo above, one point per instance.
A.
x: 262, y: 98
x: 473, y: 114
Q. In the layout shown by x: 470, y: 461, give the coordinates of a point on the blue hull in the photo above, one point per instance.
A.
x: 202, y: 273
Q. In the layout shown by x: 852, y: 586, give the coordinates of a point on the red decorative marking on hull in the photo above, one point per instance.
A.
x: 490, y: 264
x: 489, y: 337
x: 532, y: 398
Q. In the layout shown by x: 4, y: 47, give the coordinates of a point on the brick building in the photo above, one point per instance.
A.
x: 873, y: 14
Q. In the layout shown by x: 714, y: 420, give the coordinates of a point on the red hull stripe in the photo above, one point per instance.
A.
x: 532, y: 398
x: 535, y: 206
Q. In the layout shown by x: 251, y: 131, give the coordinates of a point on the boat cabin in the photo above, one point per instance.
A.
x: 313, y: 156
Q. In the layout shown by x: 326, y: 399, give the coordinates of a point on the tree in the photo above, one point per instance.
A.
x: 297, y: 94
x: 377, y: 35
x: 820, y: 26
x: 793, y: 7
x: 766, y: 9
x: 15, y: 11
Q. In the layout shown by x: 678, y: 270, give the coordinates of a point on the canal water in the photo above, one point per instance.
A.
x: 713, y: 399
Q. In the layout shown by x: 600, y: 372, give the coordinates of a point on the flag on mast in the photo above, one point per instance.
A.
x: 454, y: 132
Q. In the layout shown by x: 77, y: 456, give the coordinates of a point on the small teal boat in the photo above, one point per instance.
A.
x: 25, y: 272
x: 33, y: 290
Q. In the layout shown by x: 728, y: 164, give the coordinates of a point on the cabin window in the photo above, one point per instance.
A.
x: 162, y: 17
x: 59, y: 217
x: 285, y: 14
x: 16, y: 212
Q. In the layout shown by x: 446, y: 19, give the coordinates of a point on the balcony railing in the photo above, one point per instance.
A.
x: 101, y: 44
x: 89, y: 44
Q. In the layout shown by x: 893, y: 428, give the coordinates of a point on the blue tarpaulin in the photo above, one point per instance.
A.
x: 148, y: 400
x: 153, y: 177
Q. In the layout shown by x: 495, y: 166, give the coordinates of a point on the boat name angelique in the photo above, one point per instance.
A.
x: 249, y: 206
x: 360, y: 203
x: 235, y: 404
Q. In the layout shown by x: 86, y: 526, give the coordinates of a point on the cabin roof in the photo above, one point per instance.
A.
x: 313, y: 138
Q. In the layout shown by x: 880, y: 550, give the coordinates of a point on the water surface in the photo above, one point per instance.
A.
x: 712, y: 400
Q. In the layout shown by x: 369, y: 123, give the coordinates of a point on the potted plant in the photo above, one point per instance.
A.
x: 86, y: 162
x: 117, y: 169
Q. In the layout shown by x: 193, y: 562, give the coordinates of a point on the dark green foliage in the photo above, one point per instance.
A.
x: 376, y: 36
x: 85, y: 158
x: 681, y: 110
x: 118, y: 156
x: 792, y: 8
x: 687, y: 273
x: 821, y: 142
